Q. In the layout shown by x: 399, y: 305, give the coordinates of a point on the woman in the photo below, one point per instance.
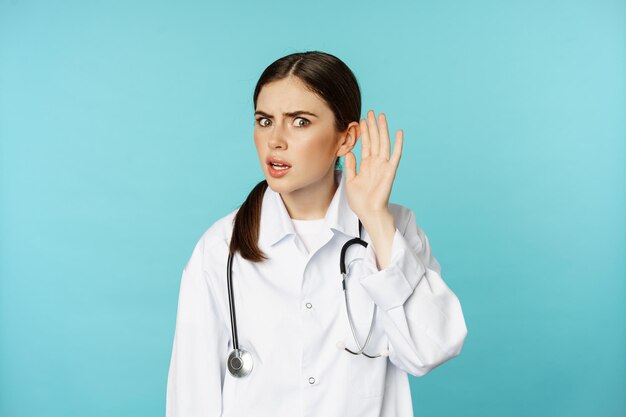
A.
x: 309, y: 349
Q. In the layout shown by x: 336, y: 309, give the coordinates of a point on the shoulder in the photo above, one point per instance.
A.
x: 406, y: 221
x: 219, y: 232
x: 402, y: 215
x: 214, y: 242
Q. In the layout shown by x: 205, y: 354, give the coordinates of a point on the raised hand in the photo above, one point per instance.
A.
x: 368, y: 191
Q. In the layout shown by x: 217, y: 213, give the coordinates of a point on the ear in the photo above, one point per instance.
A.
x: 349, y: 138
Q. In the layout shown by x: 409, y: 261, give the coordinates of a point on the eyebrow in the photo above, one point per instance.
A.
x: 290, y: 114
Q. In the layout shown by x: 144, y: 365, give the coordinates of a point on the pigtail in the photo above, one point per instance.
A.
x: 246, y: 225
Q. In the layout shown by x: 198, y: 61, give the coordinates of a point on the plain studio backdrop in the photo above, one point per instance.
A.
x: 126, y: 131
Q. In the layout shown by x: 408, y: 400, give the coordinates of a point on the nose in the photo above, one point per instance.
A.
x: 277, y: 138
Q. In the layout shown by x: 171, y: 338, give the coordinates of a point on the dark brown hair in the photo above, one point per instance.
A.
x: 329, y: 78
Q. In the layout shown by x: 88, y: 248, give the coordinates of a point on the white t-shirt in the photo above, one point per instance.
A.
x: 311, y: 232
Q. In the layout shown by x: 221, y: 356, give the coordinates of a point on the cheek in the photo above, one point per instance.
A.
x: 317, y: 146
x: 260, y: 152
x: 258, y: 141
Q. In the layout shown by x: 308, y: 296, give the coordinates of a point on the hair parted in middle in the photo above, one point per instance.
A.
x: 333, y: 81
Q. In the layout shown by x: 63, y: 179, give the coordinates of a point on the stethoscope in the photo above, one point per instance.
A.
x: 240, y: 362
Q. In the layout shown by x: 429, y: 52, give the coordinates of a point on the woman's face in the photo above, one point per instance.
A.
x: 295, y: 126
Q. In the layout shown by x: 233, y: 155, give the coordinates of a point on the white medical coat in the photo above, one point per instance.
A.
x: 291, y: 315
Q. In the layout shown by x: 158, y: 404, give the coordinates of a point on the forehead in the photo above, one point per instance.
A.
x: 289, y: 94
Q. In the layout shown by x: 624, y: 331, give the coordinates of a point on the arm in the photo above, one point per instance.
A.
x: 196, y: 372
x: 421, y: 316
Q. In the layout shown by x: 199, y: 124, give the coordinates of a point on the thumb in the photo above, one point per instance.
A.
x: 350, y: 163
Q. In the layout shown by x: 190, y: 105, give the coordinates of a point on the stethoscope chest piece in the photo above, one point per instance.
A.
x: 239, y: 363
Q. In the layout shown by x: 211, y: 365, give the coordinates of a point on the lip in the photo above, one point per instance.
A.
x: 277, y: 160
x: 277, y: 173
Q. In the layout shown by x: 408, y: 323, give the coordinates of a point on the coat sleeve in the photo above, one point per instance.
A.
x: 197, y: 365
x: 421, y: 316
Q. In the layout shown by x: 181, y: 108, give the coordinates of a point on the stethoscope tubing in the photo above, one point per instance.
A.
x: 239, y: 361
x: 231, y: 303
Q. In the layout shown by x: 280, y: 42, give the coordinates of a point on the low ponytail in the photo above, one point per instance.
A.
x: 245, y: 238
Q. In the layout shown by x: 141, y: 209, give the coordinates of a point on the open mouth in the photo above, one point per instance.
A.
x: 279, y: 167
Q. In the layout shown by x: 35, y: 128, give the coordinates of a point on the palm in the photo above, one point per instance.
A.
x: 369, y: 190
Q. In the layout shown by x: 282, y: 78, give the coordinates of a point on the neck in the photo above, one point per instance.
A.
x: 311, y: 202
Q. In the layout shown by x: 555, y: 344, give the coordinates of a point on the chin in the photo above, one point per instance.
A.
x: 279, y: 185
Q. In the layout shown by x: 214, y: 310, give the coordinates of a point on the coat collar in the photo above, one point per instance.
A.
x: 276, y: 223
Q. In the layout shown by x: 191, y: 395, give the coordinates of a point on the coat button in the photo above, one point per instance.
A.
x: 309, y: 305
x: 311, y: 380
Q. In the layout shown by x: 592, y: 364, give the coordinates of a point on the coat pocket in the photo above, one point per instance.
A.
x: 367, y: 375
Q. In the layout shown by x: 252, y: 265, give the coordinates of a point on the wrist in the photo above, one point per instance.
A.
x: 381, y: 228
x: 376, y: 217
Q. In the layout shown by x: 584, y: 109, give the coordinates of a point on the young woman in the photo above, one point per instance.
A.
x: 267, y: 324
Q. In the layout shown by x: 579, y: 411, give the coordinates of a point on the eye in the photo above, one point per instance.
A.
x: 260, y: 121
x: 306, y: 122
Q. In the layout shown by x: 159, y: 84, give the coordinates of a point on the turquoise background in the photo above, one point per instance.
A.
x: 126, y: 130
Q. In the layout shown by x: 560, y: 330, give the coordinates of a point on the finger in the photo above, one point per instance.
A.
x: 397, y: 148
x: 383, y: 134
x: 350, y: 163
x: 365, y: 139
x: 373, y: 131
